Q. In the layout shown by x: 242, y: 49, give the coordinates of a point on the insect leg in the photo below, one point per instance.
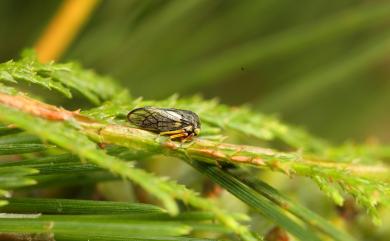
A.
x: 172, y: 133
x: 181, y: 131
x: 187, y: 138
x: 178, y: 135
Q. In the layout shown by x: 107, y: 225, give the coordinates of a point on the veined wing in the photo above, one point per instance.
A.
x: 156, y: 119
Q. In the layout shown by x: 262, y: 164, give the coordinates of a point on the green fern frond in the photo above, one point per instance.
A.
x: 52, y: 142
x: 60, y: 77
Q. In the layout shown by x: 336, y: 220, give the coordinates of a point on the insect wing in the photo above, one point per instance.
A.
x: 156, y: 119
x: 143, y: 117
x: 189, y: 117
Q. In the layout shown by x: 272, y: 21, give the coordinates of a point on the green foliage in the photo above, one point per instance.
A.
x: 332, y: 177
x: 109, y: 217
x: 70, y: 206
x: 12, y: 177
x: 256, y: 201
x: 74, y: 216
x: 48, y: 150
x: 60, y: 77
x: 321, y: 64
x: 79, y: 144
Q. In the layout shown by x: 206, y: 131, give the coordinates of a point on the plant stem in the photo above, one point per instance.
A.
x: 63, y: 28
x: 197, y: 149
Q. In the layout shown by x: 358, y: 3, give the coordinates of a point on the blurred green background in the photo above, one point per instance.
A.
x: 323, y: 65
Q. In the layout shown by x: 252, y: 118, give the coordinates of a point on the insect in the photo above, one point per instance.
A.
x: 175, y: 123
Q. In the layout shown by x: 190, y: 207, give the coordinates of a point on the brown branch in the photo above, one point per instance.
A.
x: 37, y: 108
x: 198, y: 149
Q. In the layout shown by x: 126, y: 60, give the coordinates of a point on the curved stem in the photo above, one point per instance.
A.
x: 63, y: 28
